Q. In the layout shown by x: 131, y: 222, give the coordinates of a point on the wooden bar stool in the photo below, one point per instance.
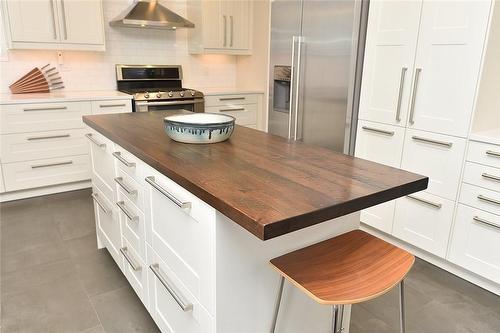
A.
x: 348, y: 269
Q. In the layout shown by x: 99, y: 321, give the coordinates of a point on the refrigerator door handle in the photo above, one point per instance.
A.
x: 292, y: 78
x: 300, y: 41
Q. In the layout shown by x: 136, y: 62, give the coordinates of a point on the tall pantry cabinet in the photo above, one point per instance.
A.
x: 421, y: 69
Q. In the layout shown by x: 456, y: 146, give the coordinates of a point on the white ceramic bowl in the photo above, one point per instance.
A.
x: 199, y: 127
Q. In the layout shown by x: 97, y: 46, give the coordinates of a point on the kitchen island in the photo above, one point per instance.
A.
x: 193, y: 226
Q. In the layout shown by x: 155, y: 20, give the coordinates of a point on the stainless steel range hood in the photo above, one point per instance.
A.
x: 150, y: 14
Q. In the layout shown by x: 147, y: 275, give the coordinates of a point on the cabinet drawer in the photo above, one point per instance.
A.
x: 135, y: 271
x: 484, y: 153
x: 424, y: 220
x: 111, y: 106
x: 380, y: 143
x: 21, y: 118
x: 480, y: 198
x: 231, y: 100
x: 133, y: 224
x: 483, y: 176
x: 130, y: 188
x: 380, y: 217
x: 42, y: 145
x: 437, y: 156
x: 172, y: 306
x: 245, y: 114
x: 46, y: 172
x: 103, y: 165
x: 475, y: 244
x: 183, y: 237
x: 128, y: 163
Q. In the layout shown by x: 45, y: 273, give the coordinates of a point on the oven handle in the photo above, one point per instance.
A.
x: 169, y: 103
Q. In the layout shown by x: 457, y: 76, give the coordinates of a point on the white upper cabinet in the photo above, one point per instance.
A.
x: 54, y: 24
x: 220, y: 26
x: 447, y: 65
x: 388, y: 65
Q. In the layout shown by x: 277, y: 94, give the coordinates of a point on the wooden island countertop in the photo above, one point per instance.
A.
x: 263, y: 182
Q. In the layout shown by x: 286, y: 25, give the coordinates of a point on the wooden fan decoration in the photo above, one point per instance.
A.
x: 38, y: 80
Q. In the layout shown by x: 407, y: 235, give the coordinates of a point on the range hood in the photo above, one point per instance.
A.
x: 150, y: 14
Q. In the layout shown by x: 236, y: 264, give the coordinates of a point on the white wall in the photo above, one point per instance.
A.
x: 95, y: 70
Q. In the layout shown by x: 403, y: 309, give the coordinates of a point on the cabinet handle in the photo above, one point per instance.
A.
x: 489, y: 200
x: 232, y: 30
x: 231, y: 99
x: 49, y: 108
x: 414, y: 95
x: 486, y: 222
x: 94, y: 141
x: 235, y: 109
x: 435, y: 142
x: 181, y: 204
x: 53, y: 18
x: 491, y: 177
x: 376, y: 130
x: 185, y: 305
x: 64, y: 20
x: 105, y: 209
x: 400, y: 93
x: 33, y: 138
x: 119, y: 181
x: 124, y: 209
x: 427, y: 202
x: 51, y: 164
x: 132, y: 263
x: 225, y: 30
x: 111, y: 105
x: 493, y: 153
x: 119, y: 157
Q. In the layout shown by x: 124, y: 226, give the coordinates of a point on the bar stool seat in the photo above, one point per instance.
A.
x: 347, y: 269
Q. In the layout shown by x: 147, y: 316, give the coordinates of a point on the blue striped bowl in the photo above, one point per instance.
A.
x: 199, y: 127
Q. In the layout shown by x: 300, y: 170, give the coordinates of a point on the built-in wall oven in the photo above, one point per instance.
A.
x: 158, y: 88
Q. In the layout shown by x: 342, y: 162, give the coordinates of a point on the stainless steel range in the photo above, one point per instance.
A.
x: 157, y: 88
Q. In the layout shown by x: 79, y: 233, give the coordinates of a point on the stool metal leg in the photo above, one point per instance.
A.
x: 337, y: 318
x: 277, y: 305
x: 402, y: 319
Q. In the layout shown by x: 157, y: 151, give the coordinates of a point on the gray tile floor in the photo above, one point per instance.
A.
x: 53, y: 279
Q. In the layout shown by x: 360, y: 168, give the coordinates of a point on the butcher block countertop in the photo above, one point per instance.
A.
x: 262, y: 182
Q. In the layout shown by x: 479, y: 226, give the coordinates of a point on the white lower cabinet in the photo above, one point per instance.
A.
x: 112, y: 106
x: 481, y: 198
x: 475, y: 243
x: 424, y: 220
x: 135, y: 271
x: 245, y: 108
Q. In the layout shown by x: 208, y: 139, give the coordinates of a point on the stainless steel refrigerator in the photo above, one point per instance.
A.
x: 315, y: 70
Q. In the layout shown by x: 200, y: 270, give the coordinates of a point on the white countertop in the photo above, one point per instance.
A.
x: 208, y: 91
x: 63, y: 96
x: 488, y: 136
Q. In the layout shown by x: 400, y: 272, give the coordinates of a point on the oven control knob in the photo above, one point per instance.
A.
x: 170, y: 94
x: 181, y: 93
x: 192, y: 92
x: 158, y: 94
x: 146, y: 95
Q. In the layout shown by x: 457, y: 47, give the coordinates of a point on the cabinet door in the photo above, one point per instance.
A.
x: 238, y: 23
x: 447, y: 64
x: 81, y: 21
x: 383, y: 144
x: 33, y: 21
x: 214, y: 25
x: 388, y: 65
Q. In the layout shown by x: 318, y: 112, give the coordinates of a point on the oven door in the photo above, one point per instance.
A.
x: 193, y: 105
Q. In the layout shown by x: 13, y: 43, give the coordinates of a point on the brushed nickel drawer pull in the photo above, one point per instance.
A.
x: 400, y: 93
x: 493, y: 153
x: 376, y: 130
x: 427, y: 202
x: 49, y: 108
x: 235, y: 109
x: 491, y: 177
x: 119, y: 181
x: 414, y: 96
x: 436, y: 142
x: 105, y: 209
x: 489, y: 200
x: 51, y: 164
x: 179, y: 299
x: 48, y: 137
x: 486, y: 222
x: 132, y: 263
x: 111, y: 105
x: 231, y: 99
x: 94, y: 141
x: 179, y: 203
x: 120, y: 158
x: 128, y: 214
